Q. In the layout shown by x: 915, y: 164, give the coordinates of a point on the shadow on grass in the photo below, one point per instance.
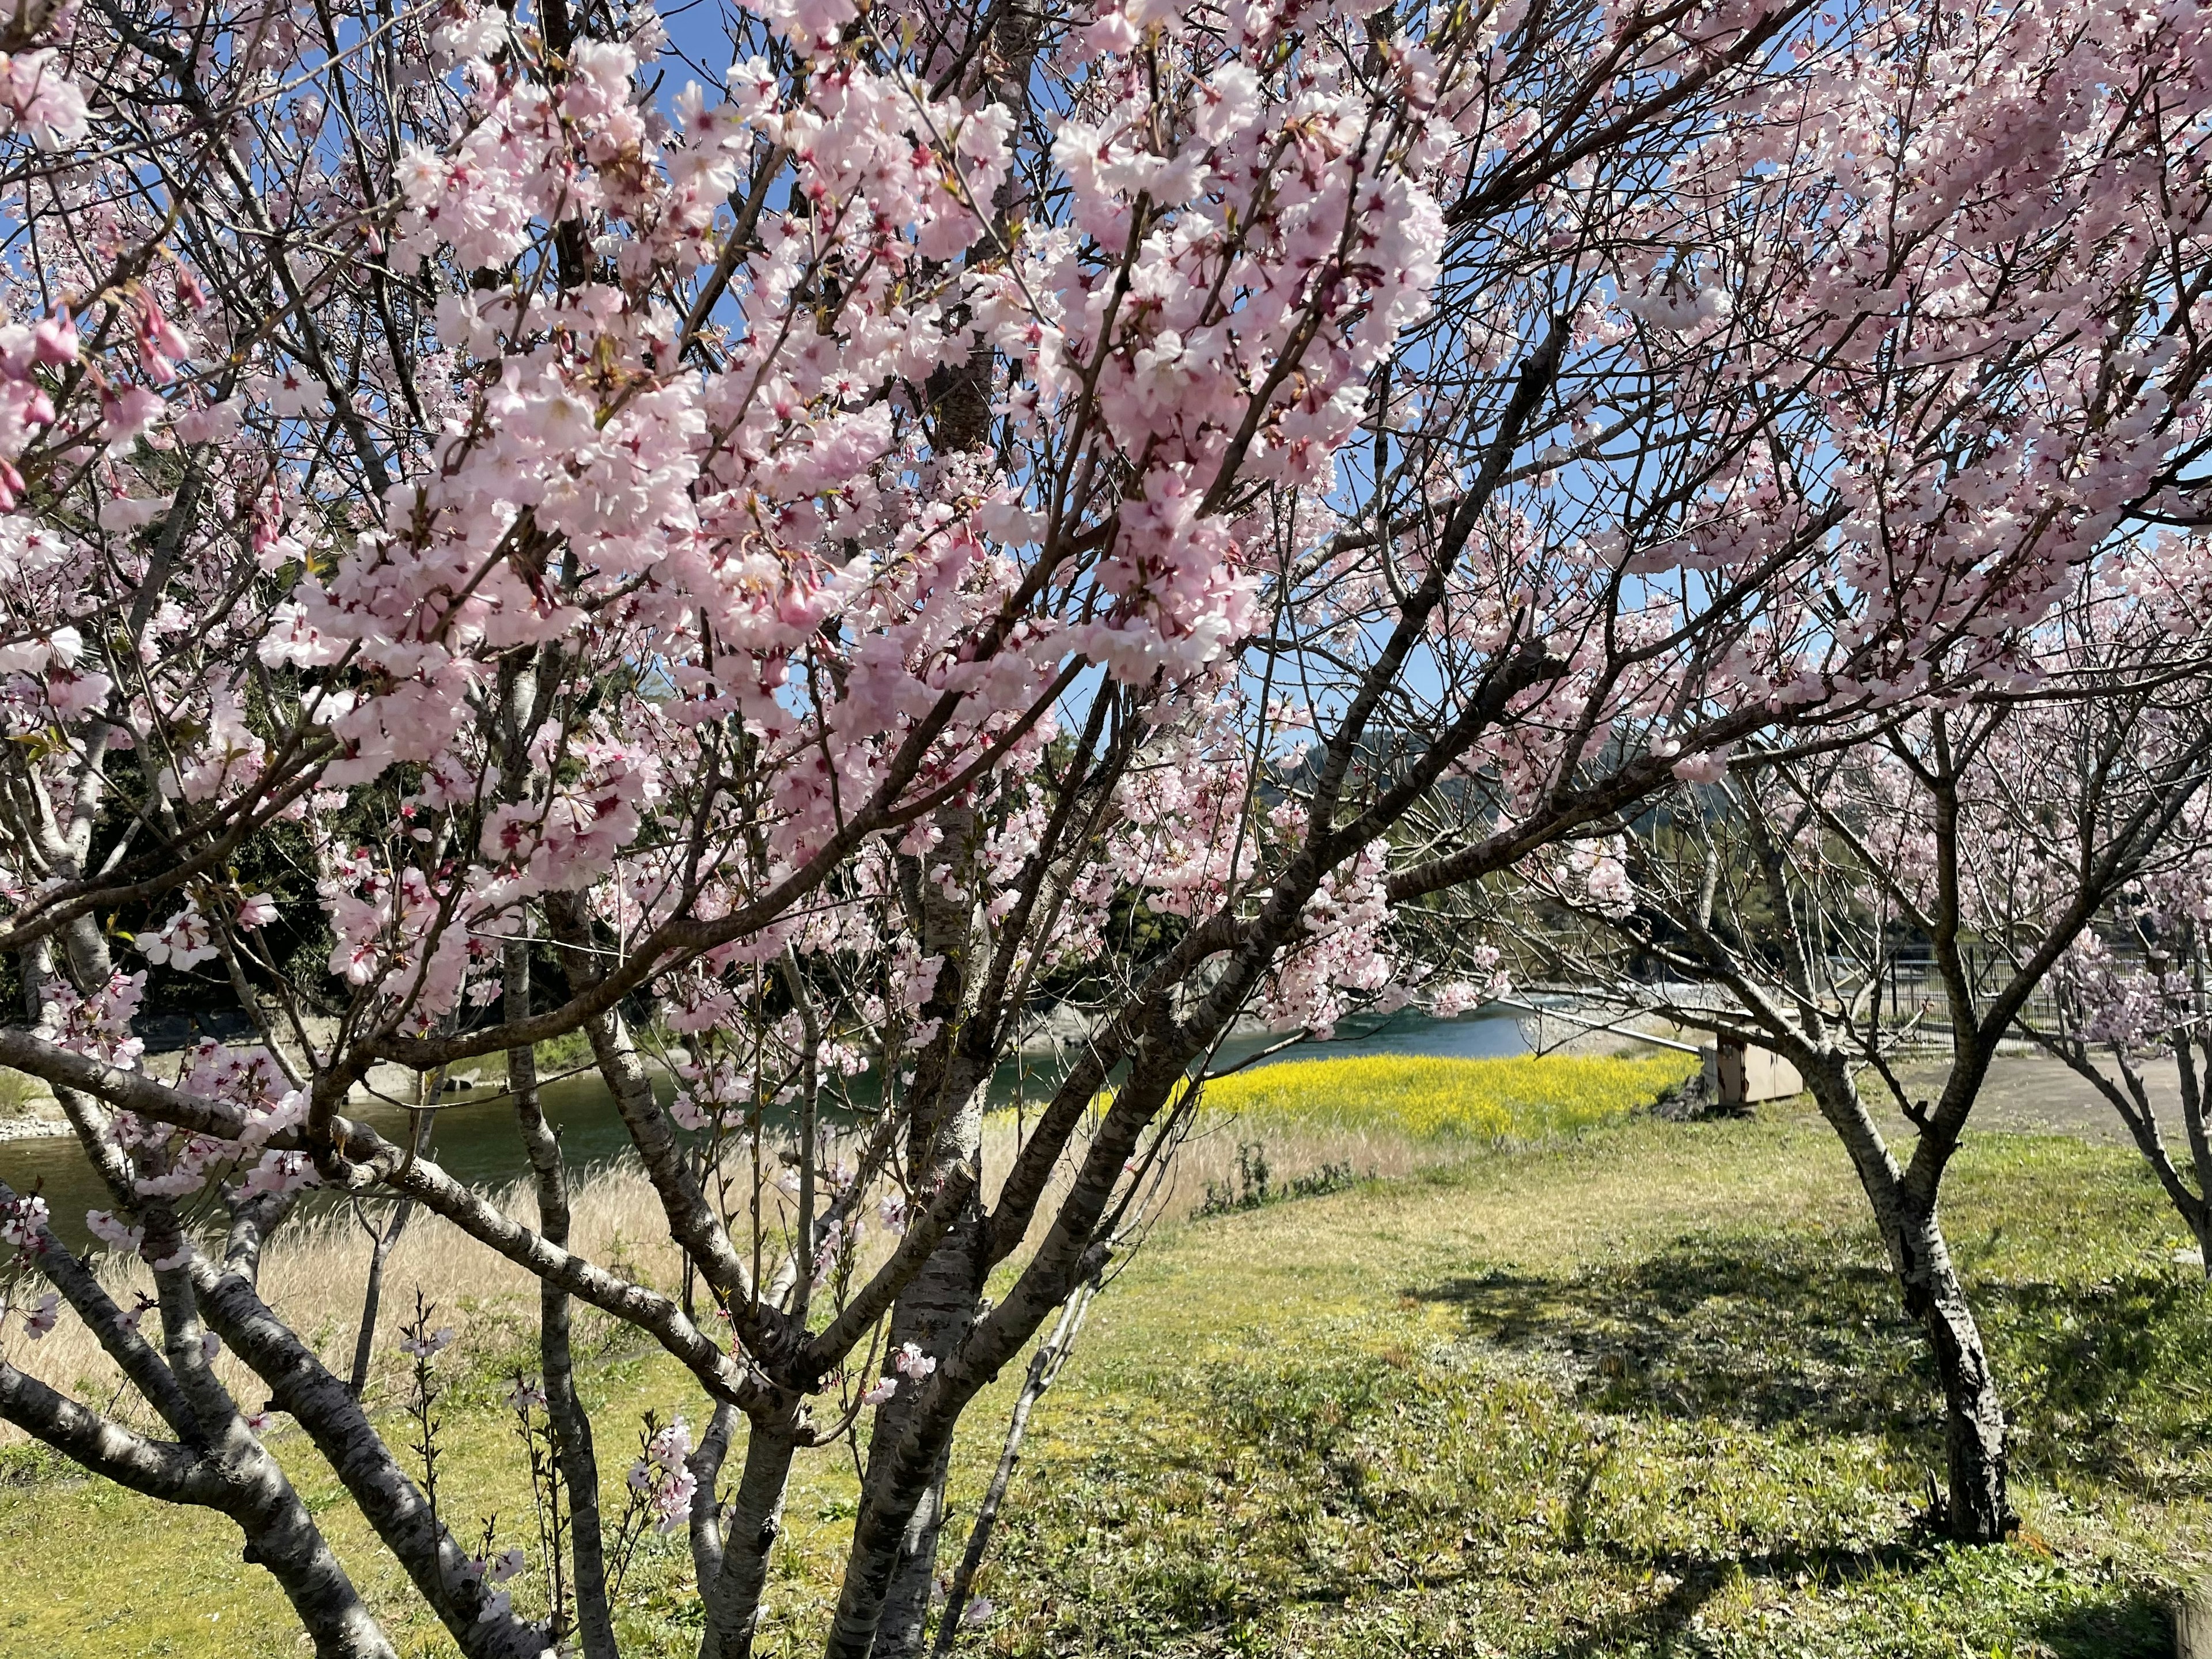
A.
x: 2137, y: 1626
x: 1802, y: 1331
x: 1753, y: 1331
x: 1390, y: 1493
x: 1654, y: 1625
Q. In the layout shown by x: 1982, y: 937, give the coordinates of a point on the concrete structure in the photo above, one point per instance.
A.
x: 1737, y: 1076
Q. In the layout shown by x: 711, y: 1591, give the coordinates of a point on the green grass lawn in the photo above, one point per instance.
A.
x: 1641, y: 1392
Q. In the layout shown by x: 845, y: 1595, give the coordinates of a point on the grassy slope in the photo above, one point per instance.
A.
x: 1643, y: 1393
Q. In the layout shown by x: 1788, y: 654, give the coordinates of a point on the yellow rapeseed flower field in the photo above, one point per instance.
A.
x: 1523, y: 1097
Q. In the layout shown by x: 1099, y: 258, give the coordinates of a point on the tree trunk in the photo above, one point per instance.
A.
x: 905, y: 1624
x: 734, y: 1600
x: 388, y: 1500
x: 939, y: 1304
x: 904, y: 1462
x: 572, y: 1425
x: 1977, y: 1509
x: 580, y: 1476
x: 282, y: 1538
x: 899, y: 1481
x: 705, y: 1466
x: 934, y: 1314
x: 2199, y: 1215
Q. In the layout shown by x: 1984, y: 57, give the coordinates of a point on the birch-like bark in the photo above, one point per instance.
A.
x: 935, y: 1310
x: 705, y: 1465
x: 747, y: 1541
x: 572, y: 1425
x: 241, y: 1482
x: 906, y: 1459
x: 133, y: 1353
x: 392, y: 1503
x: 902, y: 1475
x: 2198, y: 1215
x: 173, y: 1473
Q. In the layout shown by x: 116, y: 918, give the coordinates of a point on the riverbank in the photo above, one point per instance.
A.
x: 1374, y: 1118
x: 1642, y: 1390
x: 474, y: 1137
x: 29, y: 1110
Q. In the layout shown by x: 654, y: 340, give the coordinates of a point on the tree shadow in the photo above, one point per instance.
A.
x: 1655, y: 1625
x: 1804, y: 1331
x: 1747, y: 1330
x: 2138, y: 1625
x: 2133, y: 1625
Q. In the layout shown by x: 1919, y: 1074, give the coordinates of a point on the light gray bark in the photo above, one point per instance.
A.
x: 133, y: 1355
x: 906, y: 1465
x: 282, y: 1538
x: 240, y: 1480
x: 938, y: 1304
x: 571, y: 1424
x: 243, y: 1484
x: 392, y: 1503
x: 174, y: 1474
x: 1904, y: 1199
x: 902, y: 1471
x: 705, y: 1464
x: 754, y: 1522
x: 723, y: 1376
x: 1976, y: 1508
x: 2186, y: 1046
x: 230, y: 1473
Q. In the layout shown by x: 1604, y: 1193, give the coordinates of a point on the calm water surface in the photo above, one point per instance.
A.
x: 477, y: 1143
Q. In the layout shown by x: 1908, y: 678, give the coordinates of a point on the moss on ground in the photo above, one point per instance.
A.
x: 1644, y: 1392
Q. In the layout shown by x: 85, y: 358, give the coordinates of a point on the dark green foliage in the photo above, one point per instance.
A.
x: 1248, y: 1189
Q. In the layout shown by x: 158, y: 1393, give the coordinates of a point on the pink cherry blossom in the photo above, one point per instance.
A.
x: 42, y: 1316
x: 951, y: 542
x: 104, y: 1226
x: 23, y: 1221
x: 185, y: 940
x: 429, y: 1345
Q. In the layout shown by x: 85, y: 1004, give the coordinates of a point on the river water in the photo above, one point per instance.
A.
x: 476, y: 1140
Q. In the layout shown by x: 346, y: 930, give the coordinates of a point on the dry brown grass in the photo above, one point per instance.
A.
x: 1376, y: 1117
x: 316, y: 1269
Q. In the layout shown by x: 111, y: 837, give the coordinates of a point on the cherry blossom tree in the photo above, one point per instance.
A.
x: 1902, y: 898
x: 2127, y: 1001
x: 988, y: 520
